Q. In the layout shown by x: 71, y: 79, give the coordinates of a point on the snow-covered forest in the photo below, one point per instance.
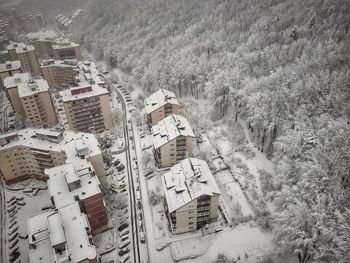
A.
x: 283, y: 66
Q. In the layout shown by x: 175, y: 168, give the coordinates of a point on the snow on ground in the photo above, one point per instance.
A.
x: 33, y: 205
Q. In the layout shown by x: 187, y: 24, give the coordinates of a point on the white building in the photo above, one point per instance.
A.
x: 61, y: 235
x: 173, y: 140
x: 191, y: 195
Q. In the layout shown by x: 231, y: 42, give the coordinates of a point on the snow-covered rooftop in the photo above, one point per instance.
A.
x: 78, y: 93
x: 32, y: 86
x: 160, y: 98
x: 62, y: 44
x: 79, y: 172
x: 25, y: 49
x: 57, y: 63
x: 170, y: 128
x: 16, y: 79
x: 50, y: 228
x: 186, y: 181
x: 44, y: 35
x: 35, y: 138
x: 15, y: 45
x: 10, y: 65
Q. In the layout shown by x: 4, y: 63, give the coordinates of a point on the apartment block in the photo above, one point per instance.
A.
x: 58, y: 72
x: 87, y: 108
x: 7, y: 69
x: 26, y: 54
x: 43, y: 42
x: 172, y: 140
x: 61, y: 235
x: 4, y: 56
x: 77, y: 182
x: 191, y: 195
x: 37, y: 103
x: 159, y: 105
x: 27, y: 153
x: 32, y: 22
x: 11, y: 88
x: 66, y: 50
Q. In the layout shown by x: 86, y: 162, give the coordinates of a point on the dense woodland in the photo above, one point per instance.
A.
x: 284, y: 64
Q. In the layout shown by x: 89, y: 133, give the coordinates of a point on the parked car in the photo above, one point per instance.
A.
x: 123, y: 251
x: 142, y: 237
x: 120, y: 167
x: 123, y: 226
x: 124, y: 237
x: 124, y: 258
x: 124, y: 232
x: 124, y: 244
x: 116, y: 162
x: 11, y: 199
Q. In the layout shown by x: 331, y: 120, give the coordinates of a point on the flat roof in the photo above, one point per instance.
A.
x: 56, y: 63
x: 74, y: 224
x: 43, y: 35
x: 160, y: 98
x: 16, y: 79
x: 170, y: 128
x: 14, y: 45
x: 64, y: 43
x: 61, y: 176
x: 56, y: 230
x: 25, y: 48
x: 96, y: 91
x: 27, y: 137
x: 32, y: 86
x: 10, y: 65
x: 186, y: 181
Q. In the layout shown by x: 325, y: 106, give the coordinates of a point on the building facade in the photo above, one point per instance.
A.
x: 66, y: 50
x: 27, y: 153
x: 26, y: 54
x: 159, y: 105
x: 37, y: 104
x: 191, y: 195
x: 87, y: 108
x: 8, y: 69
x: 43, y: 42
x: 77, y: 181
x: 58, y: 72
x: 172, y: 140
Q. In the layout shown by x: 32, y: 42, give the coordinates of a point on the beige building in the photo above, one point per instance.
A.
x: 66, y: 50
x: 8, y: 69
x: 87, y: 108
x: 61, y: 235
x: 37, y: 104
x: 173, y: 140
x: 159, y: 105
x: 191, y: 195
x: 26, y: 54
x: 43, y: 42
x: 27, y: 153
x: 4, y: 56
x: 11, y: 87
x: 58, y: 72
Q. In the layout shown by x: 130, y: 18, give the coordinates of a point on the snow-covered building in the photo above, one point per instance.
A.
x: 191, y: 195
x: 77, y: 181
x: 87, y: 108
x: 66, y: 50
x: 61, y: 235
x: 26, y: 54
x: 159, y: 105
x: 172, y: 140
x: 58, y: 72
x: 8, y: 69
x: 43, y: 42
x: 28, y: 153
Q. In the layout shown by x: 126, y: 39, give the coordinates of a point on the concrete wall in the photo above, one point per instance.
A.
x: 16, y: 102
x: 106, y: 111
x: 97, y: 163
x: 186, y: 218
x: 165, y: 152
